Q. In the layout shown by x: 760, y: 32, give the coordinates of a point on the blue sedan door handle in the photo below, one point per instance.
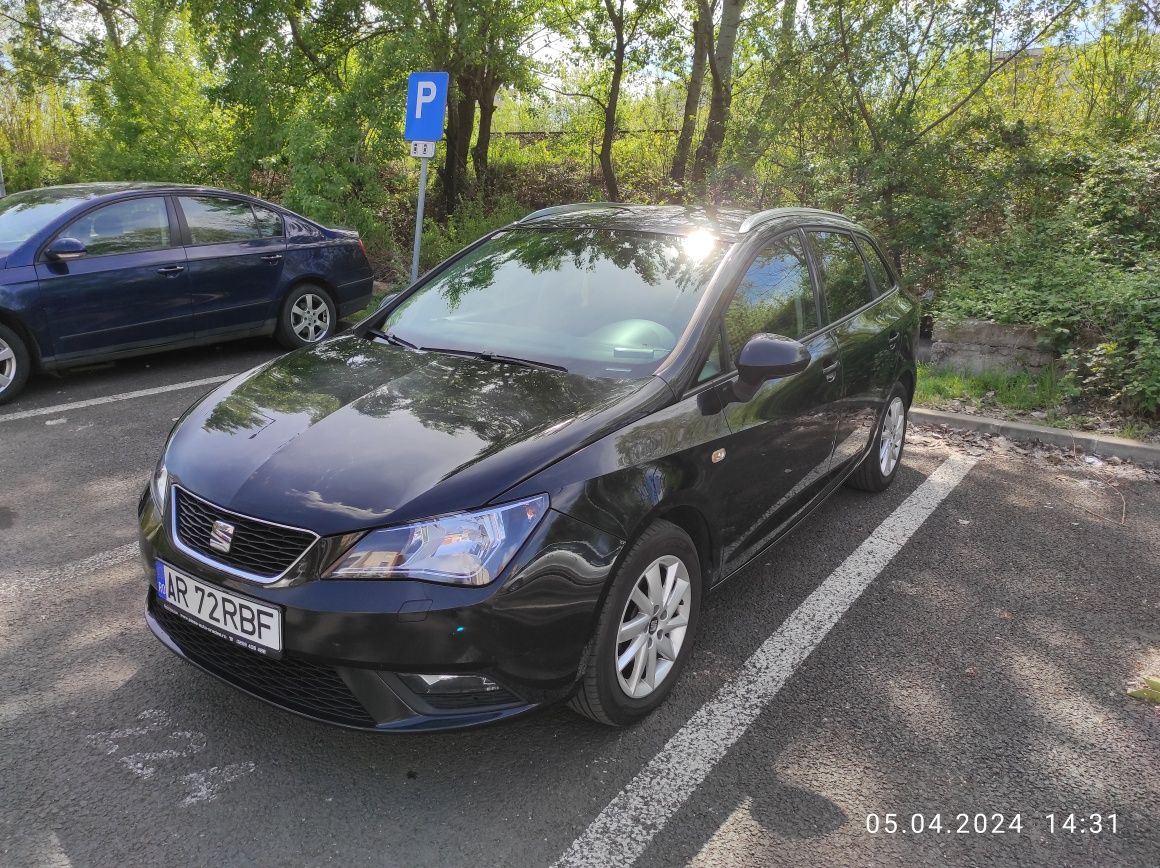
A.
x: 831, y: 370
x: 171, y: 270
x: 272, y: 258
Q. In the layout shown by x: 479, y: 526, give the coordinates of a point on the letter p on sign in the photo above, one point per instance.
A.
x: 427, y: 93
x: 426, y: 104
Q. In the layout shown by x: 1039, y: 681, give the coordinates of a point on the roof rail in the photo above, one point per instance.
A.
x: 755, y: 220
x: 556, y: 210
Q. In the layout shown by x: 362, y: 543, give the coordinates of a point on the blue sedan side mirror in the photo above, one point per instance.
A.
x: 63, y: 249
x: 387, y: 299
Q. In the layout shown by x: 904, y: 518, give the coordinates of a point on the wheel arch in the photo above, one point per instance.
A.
x: 693, y: 522
x: 907, y: 379
x: 17, y: 325
x: 312, y: 280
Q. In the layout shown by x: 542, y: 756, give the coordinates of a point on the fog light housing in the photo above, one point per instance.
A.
x: 449, y: 685
x: 459, y: 692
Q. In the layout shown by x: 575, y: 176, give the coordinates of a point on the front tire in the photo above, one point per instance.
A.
x: 15, y: 364
x: 880, y: 466
x: 307, y: 316
x: 646, y: 629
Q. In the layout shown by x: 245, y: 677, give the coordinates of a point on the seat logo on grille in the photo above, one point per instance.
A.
x: 222, y: 536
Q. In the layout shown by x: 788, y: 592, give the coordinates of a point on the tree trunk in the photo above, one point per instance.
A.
x: 479, y: 153
x: 460, y: 123
x: 611, y: 188
x: 108, y: 15
x: 702, y: 35
x: 892, y: 226
x: 788, y: 21
x: 721, y: 78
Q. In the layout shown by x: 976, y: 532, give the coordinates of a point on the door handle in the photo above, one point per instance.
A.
x: 893, y: 340
x: 831, y: 370
x: 171, y: 270
x: 272, y: 258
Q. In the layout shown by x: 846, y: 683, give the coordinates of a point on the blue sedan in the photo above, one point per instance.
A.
x: 92, y: 272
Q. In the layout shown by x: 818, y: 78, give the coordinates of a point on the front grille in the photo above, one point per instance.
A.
x: 261, y: 549
x: 291, y: 683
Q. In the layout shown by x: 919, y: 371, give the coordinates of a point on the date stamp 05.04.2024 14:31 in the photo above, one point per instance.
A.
x: 988, y: 823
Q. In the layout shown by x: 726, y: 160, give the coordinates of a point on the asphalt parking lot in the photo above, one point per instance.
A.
x: 951, y: 648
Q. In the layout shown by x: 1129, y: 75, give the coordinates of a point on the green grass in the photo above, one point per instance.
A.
x: 1133, y: 430
x: 366, y: 311
x: 1014, y: 391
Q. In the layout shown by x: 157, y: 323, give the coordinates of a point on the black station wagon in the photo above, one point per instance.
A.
x: 516, y: 482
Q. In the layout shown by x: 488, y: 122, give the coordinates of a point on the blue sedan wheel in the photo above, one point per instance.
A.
x: 308, y: 316
x: 14, y: 364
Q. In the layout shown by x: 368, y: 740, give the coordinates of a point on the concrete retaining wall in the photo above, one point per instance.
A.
x: 978, y: 346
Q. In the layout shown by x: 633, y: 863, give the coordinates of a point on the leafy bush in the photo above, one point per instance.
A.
x: 1117, y: 204
x: 1104, y: 318
x: 473, y: 219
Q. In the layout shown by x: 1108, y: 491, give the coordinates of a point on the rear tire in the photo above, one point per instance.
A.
x: 881, y: 464
x: 307, y: 316
x: 649, y: 620
x: 15, y: 364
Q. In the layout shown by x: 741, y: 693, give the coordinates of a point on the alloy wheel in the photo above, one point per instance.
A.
x: 7, y: 365
x: 893, y: 433
x: 653, y: 626
x: 310, y: 318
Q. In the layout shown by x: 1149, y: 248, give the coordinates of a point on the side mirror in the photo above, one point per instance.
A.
x: 765, y: 357
x: 387, y: 299
x: 63, y: 249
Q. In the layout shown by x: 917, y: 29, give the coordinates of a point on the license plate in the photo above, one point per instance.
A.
x: 234, y: 618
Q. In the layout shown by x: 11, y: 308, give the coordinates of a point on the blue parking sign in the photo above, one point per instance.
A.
x: 426, y: 102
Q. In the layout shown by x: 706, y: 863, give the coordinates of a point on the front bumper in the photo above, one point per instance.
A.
x: 346, y: 642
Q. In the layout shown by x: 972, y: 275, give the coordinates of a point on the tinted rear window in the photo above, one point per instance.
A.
x: 269, y: 222
x: 878, y: 270
x: 219, y: 221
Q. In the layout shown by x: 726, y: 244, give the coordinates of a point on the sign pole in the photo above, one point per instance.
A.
x: 426, y: 106
x: 419, y: 218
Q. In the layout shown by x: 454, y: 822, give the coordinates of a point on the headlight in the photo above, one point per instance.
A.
x: 160, y: 483
x: 470, y: 548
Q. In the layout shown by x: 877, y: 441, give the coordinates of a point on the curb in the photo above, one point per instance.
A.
x: 1101, y: 444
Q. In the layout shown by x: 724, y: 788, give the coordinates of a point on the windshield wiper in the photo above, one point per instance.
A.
x: 391, y: 338
x: 498, y: 357
x: 516, y: 360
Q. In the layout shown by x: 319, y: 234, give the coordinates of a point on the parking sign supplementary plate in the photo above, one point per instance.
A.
x: 230, y: 616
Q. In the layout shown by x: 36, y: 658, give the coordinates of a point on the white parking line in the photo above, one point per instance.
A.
x: 109, y: 399
x: 624, y: 829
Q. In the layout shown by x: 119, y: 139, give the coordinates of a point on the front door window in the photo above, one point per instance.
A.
x: 131, y: 226
x: 775, y: 296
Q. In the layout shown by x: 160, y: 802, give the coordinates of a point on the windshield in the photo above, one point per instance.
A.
x: 24, y: 214
x: 596, y: 302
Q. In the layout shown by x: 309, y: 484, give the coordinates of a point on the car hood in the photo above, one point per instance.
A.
x: 353, y: 433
